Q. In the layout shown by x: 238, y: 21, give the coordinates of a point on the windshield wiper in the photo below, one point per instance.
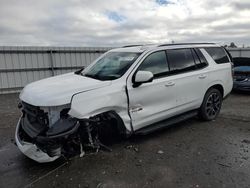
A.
x: 91, y: 76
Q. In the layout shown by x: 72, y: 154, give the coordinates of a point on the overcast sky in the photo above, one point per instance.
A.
x: 118, y: 22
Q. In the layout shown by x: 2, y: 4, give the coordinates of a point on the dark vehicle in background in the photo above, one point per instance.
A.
x: 241, y: 74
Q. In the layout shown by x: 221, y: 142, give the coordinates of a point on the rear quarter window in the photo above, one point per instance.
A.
x: 218, y: 54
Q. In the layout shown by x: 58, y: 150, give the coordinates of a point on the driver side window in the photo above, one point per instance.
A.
x: 155, y: 63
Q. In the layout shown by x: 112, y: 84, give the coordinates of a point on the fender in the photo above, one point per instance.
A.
x: 112, y: 98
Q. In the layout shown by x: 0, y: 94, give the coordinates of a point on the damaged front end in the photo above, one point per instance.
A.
x: 45, y: 134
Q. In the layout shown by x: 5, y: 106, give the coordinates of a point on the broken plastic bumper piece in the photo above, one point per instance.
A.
x: 31, y: 150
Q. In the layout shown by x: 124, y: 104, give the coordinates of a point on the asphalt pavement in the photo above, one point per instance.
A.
x: 190, y: 154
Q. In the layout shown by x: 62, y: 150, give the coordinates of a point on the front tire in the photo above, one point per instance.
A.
x: 211, y: 105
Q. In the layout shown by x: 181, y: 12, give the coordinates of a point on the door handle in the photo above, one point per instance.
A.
x: 202, y: 76
x: 169, y: 84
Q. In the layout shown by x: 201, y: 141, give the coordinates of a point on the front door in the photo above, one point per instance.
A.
x: 154, y: 101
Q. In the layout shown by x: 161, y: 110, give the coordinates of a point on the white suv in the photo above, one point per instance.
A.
x: 129, y: 90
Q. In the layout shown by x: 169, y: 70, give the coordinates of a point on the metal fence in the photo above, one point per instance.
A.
x: 22, y: 65
x: 239, y: 52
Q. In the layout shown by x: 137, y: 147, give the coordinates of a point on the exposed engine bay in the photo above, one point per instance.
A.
x: 57, y: 134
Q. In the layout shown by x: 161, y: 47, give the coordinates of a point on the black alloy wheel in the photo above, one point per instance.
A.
x: 211, y: 105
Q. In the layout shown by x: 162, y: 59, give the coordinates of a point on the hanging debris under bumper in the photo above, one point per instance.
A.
x: 49, y: 145
x: 45, y: 142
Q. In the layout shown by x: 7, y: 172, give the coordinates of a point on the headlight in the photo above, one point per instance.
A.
x: 56, y: 112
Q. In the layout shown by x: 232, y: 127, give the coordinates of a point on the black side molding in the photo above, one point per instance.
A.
x: 166, y: 123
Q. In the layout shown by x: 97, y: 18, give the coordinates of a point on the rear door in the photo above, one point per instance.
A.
x: 190, y: 76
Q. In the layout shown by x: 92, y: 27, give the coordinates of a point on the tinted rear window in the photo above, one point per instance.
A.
x: 218, y: 54
x: 180, y: 60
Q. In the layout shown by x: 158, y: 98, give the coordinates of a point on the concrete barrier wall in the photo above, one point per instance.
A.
x: 22, y: 65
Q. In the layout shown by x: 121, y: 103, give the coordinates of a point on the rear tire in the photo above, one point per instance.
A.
x: 211, y: 105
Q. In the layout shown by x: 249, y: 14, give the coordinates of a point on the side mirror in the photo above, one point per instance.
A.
x: 143, y: 77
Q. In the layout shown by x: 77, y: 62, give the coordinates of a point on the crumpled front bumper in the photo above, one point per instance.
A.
x: 31, y: 150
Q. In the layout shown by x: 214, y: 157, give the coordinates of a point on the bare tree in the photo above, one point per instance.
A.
x: 232, y: 45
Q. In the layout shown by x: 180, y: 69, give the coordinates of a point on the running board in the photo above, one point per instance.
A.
x: 166, y: 123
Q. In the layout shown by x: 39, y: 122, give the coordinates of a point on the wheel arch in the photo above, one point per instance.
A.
x: 217, y: 85
x: 203, y: 114
x: 120, y: 125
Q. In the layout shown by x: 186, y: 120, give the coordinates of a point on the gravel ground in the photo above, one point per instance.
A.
x: 190, y: 154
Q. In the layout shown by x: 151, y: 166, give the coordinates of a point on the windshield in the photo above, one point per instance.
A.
x: 112, y: 66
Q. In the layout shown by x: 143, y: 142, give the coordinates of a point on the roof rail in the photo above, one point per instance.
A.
x: 132, y: 45
x: 185, y: 43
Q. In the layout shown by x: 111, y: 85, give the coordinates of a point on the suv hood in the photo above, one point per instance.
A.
x: 58, y: 90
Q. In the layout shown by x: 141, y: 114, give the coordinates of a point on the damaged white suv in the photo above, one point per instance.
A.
x: 129, y: 90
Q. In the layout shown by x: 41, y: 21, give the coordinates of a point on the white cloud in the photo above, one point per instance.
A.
x: 112, y: 22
